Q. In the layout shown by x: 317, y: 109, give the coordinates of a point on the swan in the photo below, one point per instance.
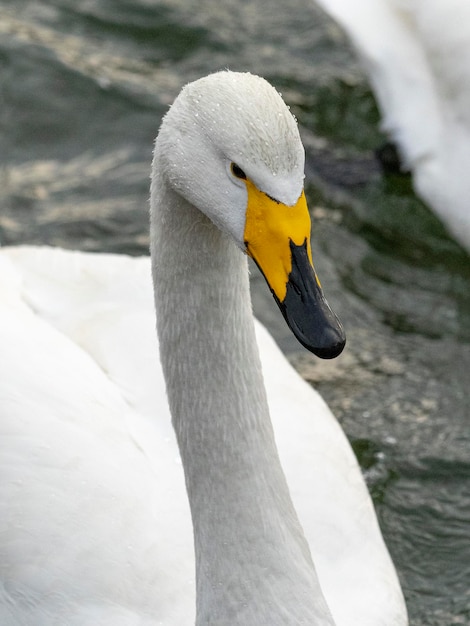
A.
x: 416, y: 54
x: 139, y: 489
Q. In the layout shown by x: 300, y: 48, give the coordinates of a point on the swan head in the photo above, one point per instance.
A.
x: 230, y: 146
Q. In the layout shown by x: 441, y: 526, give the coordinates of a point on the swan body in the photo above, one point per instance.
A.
x: 96, y: 526
x: 417, y: 56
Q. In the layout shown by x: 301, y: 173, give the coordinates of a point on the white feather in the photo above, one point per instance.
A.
x: 94, y: 519
x: 417, y: 57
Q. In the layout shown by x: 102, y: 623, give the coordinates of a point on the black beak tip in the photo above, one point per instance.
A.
x: 328, y: 344
x: 332, y: 344
x: 306, y: 311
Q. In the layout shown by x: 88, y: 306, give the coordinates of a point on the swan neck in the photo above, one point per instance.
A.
x: 253, y: 564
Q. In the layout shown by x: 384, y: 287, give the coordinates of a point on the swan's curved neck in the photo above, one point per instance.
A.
x: 253, y: 564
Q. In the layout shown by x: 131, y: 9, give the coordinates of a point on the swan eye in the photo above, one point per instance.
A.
x: 237, y: 171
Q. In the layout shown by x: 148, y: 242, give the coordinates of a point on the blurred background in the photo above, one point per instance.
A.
x: 83, y: 87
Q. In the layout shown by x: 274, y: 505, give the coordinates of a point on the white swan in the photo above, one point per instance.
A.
x: 417, y: 57
x: 94, y: 520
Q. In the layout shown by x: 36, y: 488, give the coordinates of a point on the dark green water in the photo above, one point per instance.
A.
x: 83, y: 86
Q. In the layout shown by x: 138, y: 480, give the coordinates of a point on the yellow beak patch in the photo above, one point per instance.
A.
x: 269, y: 228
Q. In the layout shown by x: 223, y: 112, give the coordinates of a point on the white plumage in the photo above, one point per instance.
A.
x: 417, y: 56
x: 95, y: 524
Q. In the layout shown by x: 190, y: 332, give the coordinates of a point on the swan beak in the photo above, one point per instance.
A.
x: 277, y: 238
